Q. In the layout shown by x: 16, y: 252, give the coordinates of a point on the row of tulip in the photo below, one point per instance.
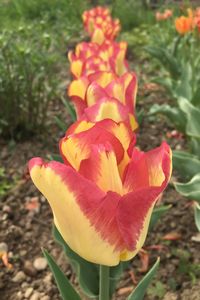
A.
x: 103, y: 193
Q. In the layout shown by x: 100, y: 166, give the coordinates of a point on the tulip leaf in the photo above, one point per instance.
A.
x: 187, y: 164
x: 55, y: 157
x: 196, y: 97
x: 184, y: 88
x: 87, y: 273
x: 70, y: 109
x: 190, y: 189
x: 165, y: 57
x: 61, y: 124
x: 197, y: 215
x: 193, y: 117
x: 66, y: 289
x: 174, y: 114
x: 157, y: 213
x: 140, y: 290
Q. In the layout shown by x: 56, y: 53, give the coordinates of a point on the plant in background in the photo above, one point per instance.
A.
x: 179, y: 60
x: 27, y: 81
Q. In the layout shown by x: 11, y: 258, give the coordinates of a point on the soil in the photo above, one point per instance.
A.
x: 26, y: 222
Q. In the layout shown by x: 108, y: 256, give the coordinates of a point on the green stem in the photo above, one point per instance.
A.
x: 104, y: 282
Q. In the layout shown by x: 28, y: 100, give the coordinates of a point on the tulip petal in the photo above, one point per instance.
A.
x: 76, y: 203
x: 94, y: 93
x: 107, y: 108
x: 76, y: 147
x: 101, y: 168
x: 152, y: 168
x: 134, y: 213
x: 102, y: 78
x: 78, y: 87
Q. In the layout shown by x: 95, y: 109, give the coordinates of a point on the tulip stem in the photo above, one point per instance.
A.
x: 104, y: 282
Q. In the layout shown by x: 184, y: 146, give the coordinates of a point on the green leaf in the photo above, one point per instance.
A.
x: 184, y: 88
x: 175, y: 115
x: 66, y: 290
x: 165, y: 58
x: 157, y: 213
x: 186, y: 164
x: 62, y: 125
x: 190, y: 189
x: 197, y: 215
x: 140, y: 290
x: 87, y: 273
x: 70, y: 109
x: 166, y: 82
x: 196, y: 97
x: 55, y: 157
x: 193, y: 117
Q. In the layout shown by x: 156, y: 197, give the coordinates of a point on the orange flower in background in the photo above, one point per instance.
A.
x: 184, y: 24
x: 100, y: 25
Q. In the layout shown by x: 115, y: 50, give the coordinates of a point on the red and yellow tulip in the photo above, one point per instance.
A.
x: 100, y: 25
x: 89, y: 58
x: 103, y: 195
x: 105, y: 92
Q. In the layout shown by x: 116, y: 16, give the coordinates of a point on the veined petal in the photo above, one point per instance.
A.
x: 76, y: 68
x: 102, y: 78
x: 79, y: 126
x: 107, y: 108
x: 76, y: 203
x: 101, y: 167
x: 150, y: 169
x: 134, y: 213
x: 78, y: 87
x: 98, y: 36
x: 77, y: 147
x: 94, y: 93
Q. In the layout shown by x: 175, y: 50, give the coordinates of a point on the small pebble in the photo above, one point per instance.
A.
x: 29, y: 268
x: 19, y: 277
x: 40, y: 263
x: 28, y: 292
x: 35, y: 296
x: 3, y: 247
x: 45, y: 298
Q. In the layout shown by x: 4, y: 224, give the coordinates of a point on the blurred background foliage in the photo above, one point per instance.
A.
x: 34, y: 36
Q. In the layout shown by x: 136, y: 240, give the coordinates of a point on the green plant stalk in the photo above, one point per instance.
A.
x: 104, y: 286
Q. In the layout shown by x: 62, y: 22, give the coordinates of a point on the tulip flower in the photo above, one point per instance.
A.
x: 100, y: 25
x: 97, y: 91
x: 185, y: 24
x: 102, y: 209
x: 89, y: 58
x: 165, y: 15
